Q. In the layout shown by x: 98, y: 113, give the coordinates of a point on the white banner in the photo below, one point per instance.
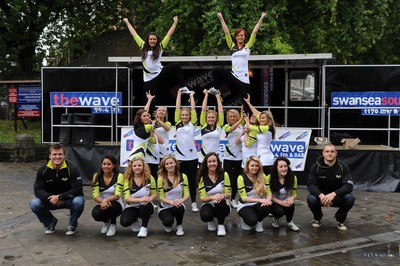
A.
x: 291, y: 143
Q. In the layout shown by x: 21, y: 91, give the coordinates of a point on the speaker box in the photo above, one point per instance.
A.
x: 65, y: 132
x: 82, y: 135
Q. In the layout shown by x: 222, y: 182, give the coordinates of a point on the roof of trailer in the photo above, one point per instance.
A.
x: 279, y: 60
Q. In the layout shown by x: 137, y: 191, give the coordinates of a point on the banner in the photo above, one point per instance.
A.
x: 291, y: 143
x: 369, y: 99
x: 103, y: 101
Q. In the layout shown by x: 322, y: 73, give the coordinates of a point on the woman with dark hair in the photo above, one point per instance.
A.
x: 214, y: 189
x: 239, y: 47
x: 173, y: 191
x: 255, y: 195
x: 154, y: 74
x: 283, y: 185
x: 139, y: 190
x: 109, y: 204
x: 265, y: 132
x: 185, y: 148
x: 142, y: 131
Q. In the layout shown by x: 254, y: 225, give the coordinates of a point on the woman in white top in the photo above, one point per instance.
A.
x: 255, y: 196
x: 211, y: 123
x: 109, y: 204
x: 185, y: 148
x: 265, y: 131
x: 154, y: 74
x: 173, y: 191
x: 233, y: 150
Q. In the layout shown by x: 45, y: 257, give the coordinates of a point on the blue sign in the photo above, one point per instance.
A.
x: 29, y: 94
x: 369, y: 100
x: 101, y: 102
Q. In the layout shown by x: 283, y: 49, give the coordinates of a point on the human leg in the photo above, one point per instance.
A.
x: 129, y: 216
x: 145, y: 211
x: 221, y: 211
x: 315, y: 206
x: 76, y: 206
x: 345, y: 203
x: 249, y: 215
x: 166, y: 217
x: 42, y: 211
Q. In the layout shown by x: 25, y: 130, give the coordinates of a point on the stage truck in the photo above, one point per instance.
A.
x: 91, y: 106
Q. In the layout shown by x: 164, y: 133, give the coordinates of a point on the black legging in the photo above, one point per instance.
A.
x: 168, y: 215
x: 131, y: 214
x: 220, y: 211
x: 189, y: 168
x: 221, y: 75
x: 172, y: 71
x: 234, y: 169
x: 254, y: 213
x: 108, y: 215
x: 278, y: 211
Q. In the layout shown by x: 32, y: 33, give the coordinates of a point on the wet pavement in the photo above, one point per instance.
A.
x: 373, y: 235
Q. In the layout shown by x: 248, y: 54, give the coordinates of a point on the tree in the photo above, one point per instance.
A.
x: 26, y: 27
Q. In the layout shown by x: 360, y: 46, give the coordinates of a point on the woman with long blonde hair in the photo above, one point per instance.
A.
x: 139, y: 190
x: 255, y: 196
x: 173, y: 191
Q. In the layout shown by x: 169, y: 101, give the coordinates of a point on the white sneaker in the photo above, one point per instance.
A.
x: 194, y: 207
x: 142, y: 232
x: 213, y: 91
x: 111, y: 230
x: 136, y: 226
x: 341, y: 226
x: 105, y: 227
x: 233, y: 204
x: 184, y: 90
x: 244, y: 226
x: 292, y: 226
x: 275, y: 222
x: 179, y: 230
x: 168, y: 229
x: 221, y: 230
x: 211, y: 226
x: 259, y: 227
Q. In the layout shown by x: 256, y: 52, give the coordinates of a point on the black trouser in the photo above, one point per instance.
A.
x: 278, y: 211
x: 220, y: 211
x: 221, y: 75
x: 234, y: 169
x: 189, y: 168
x: 168, y: 215
x: 108, y: 215
x: 254, y: 213
x: 131, y: 214
x: 344, y: 202
x: 172, y: 71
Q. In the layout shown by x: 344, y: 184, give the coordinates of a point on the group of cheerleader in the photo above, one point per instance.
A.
x: 132, y: 195
x: 265, y: 185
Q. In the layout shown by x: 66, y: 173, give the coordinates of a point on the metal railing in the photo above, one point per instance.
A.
x: 389, y: 129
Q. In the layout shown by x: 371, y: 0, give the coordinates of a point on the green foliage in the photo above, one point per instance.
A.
x: 357, y: 31
x: 8, y: 134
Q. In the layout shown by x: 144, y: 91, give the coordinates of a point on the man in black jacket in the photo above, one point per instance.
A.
x: 58, y: 185
x: 330, y: 184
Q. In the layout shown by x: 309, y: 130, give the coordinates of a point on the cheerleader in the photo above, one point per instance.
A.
x: 173, y: 191
x: 185, y: 149
x: 255, y: 195
x: 214, y: 189
x: 109, y: 204
x: 211, y: 123
x: 139, y: 190
x: 233, y: 150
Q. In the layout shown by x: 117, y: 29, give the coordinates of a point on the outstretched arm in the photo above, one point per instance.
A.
x: 192, y: 101
x: 178, y: 100
x: 223, y: 24
x: 149, y: 99
x: 252, y: 108
x: 219, y: 103
x: 173, y: 27
x: 258, y: 25
x: 130, y: 27
x: 205, y: 101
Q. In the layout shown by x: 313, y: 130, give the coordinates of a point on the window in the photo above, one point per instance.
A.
x: 302, y: 86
